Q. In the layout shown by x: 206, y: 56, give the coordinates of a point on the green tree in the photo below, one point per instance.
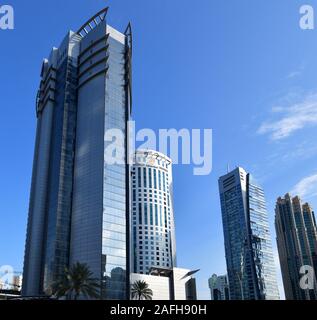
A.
x: 77, y: 281
x: 140, y: 290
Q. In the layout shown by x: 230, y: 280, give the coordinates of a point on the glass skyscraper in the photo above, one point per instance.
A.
x: 248, y: 247
x: 297, y: 244
x: 79, y: 203
x: 152, y: 219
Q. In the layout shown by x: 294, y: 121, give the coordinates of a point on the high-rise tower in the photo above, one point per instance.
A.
x: 248, y: 247
x: 79, y: 203
x: 152, y: 218
x: 296, y: 236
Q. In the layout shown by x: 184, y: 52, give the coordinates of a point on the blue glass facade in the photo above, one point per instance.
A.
x: 261, y: 244
x: 57, y: 234
x: 79, y: 204
x: 114, y: 250
x: 249, y: 257
x: 48, y: 233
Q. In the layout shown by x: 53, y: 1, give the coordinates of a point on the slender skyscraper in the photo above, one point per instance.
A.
x: 153, y: 231
x: 297, y: 244
x: 79, y: 204
x: 248, y: 247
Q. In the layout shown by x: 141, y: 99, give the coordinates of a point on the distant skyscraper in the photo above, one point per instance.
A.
x: 297, y: 244
x: 219, y: 287
x: 248, y: 247
x: 79, y: 204
x: 153, y: 231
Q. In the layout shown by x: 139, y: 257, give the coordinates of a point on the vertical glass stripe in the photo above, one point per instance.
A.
x: 145, y: 213
x: 156, y: 215
x: 144, y: 177
x: 150, y: 178
x: 140, y: 213
x: 151, y: 214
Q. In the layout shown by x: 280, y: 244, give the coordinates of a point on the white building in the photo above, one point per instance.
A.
x: 152, y: 218
x: 169, y: 284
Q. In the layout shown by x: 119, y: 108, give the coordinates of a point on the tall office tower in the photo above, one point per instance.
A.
x: 248, y: 247
x: 152, y: 219
x: 219, y: 287
x: 79, y: 201
x: 297, y: 244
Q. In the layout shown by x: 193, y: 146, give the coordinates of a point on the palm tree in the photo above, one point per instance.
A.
x: 76, y: 281
x: 140, y: 290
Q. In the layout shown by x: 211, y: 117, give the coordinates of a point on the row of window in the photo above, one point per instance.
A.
x: 158, y: 215
x: 152, y: 178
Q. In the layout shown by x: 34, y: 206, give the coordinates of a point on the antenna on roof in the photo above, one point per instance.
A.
x: 228, y: 168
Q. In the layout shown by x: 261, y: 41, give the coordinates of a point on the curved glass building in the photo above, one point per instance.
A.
x: 152, y: 218
x: 79, y: 204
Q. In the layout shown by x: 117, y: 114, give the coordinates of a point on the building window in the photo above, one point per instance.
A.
x: 155, y: 184
x: 151, y: 214
x: 140, y: 213
x: 150, y: 178
x: 156, y: 215
x: 145, y: 214
x: 139, y: 177
x: 165, y: 217
x: 159, y: 179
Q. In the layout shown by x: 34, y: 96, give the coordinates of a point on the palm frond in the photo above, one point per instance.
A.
x: 140, y: 290
x: 77, y: 281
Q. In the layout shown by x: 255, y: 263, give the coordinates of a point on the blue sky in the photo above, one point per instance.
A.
x: 243, y: 68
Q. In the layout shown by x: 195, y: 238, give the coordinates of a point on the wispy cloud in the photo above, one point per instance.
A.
x: 293, y: 74
x: 284, y: 154
x: 296, y: 73
x: 307, y: 187
x: 291, y: 118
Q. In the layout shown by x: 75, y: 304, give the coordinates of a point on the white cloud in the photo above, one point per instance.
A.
x: 293, y: 74
x: 303, y: 151
x: 307, y: 187
x: 296, y: 73
x: 292, y: 118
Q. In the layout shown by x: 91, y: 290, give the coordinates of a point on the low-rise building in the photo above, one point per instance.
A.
x: 169, y: 283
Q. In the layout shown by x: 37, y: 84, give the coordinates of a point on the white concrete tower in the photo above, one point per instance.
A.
x: 152, y: 216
